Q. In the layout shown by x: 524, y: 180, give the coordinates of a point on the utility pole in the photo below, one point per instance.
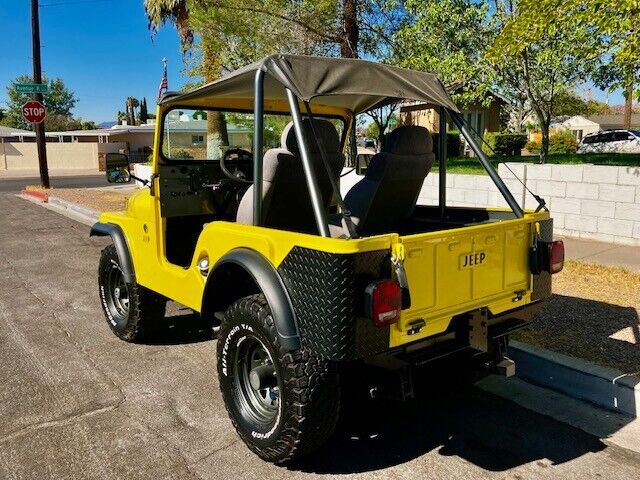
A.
x: 37, y: 79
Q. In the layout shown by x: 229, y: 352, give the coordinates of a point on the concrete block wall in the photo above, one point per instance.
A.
x: 591, y: 201
x: 20, y: 156
x: 586, y: 201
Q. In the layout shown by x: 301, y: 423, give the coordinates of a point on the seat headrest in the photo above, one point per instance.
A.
x: 326, y: 131
x: 409, y: 140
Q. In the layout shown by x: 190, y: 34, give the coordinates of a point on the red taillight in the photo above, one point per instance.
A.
x: 556, y: 256
x: 384, y: 302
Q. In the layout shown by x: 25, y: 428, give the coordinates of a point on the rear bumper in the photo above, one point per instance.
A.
x: 473, y: 334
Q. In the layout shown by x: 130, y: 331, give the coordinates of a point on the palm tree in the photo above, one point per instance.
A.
x: 160, y: 12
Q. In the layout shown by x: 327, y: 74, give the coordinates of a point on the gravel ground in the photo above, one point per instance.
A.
x: 594, y: 314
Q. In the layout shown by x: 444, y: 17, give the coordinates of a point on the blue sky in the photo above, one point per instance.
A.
x: 103, y: 52
x: 100, y: 48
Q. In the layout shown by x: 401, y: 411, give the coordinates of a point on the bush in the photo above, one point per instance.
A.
x: 181, y: 154
x: 504, y: 144
x: 562, y: 142
x: 533, y: 147
x: 453, y: 143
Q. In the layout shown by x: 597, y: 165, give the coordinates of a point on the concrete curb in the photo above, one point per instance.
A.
x: 70, y: 210
x: 577, y: 378
x: 36, y: 194
x: 84, y: 215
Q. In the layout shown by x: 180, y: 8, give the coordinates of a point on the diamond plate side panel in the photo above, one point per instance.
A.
x: 327, y: 292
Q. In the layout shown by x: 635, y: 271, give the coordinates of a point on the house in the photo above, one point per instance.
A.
x: 581, y: 126
x: 480, y: 118
x: 87, y: 149
x: 190, y: 135
x: 81, y: 149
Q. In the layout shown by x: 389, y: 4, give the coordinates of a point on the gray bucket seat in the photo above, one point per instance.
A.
x: 389, y: 190
x: 286, y: 204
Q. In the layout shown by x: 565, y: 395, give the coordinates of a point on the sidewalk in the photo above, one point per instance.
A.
x: 603, y: 253
x: 66, y: 172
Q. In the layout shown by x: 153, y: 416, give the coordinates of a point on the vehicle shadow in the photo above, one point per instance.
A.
x: 451, y: 419
x: 600, y: 332
x: 180, y: 325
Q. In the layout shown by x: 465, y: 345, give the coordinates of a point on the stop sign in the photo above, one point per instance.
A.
x: 34, y: 111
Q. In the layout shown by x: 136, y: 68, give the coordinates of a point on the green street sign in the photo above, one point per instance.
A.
x: 32, y: 88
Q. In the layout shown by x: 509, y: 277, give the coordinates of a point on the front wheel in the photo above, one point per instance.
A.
x: 282, y: 404
x: 131, y: 309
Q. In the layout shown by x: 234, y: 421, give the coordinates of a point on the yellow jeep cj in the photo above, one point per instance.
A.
x: 243, y: 222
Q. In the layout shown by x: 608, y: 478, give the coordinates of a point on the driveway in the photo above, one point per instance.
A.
x: 76, y: 402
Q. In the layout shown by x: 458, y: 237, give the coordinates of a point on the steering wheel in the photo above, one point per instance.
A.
x: 241, y: 171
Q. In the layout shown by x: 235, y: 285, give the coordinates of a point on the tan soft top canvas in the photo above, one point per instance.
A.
x: 356, y: 85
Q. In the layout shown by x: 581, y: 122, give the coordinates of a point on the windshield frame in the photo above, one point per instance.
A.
x: 161, y: 128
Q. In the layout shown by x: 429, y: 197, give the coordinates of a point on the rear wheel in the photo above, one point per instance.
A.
x: 282, y: 404
x: 130, y: 309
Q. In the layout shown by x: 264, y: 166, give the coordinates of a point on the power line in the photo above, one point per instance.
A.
x: 72, y: 2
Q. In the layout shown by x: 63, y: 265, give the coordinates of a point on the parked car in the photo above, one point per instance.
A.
x: 611, y: 141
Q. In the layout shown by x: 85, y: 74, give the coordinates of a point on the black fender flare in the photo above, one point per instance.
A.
x: 270, y: 283
x: 99, y: 229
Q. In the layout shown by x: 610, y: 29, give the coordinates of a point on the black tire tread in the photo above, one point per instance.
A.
x: 311, y: 381
x: 145, y: 306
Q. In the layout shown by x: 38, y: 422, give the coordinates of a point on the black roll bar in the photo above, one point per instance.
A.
x: 506, y: 193
x: 258, y: 124
x: 442, y: 162
x: 312, y: 182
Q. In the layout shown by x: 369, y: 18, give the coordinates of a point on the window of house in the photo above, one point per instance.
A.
x: 195, y: 139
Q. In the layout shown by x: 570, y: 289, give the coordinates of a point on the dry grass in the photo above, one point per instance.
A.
x: 94, y: 198
x: 594, y: 314
x: 597, y: 282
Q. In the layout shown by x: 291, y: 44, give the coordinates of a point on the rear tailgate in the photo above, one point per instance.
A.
x: 455, y: 271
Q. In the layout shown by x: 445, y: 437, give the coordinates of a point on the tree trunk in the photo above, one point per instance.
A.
x: 217, y: 135
x: 351, y: 31
x: 544, y: 144
x: 381, y: 139
x: 628, y: 104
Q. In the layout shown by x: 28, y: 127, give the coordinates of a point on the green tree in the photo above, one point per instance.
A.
x: 57, y: 122
x: 59, y: 101
x: 144, y: 114
x: 121, y: 117
x: 548, y: 56
x: 615, y: 23
x: 89, y: 125
x: 448, y: 38
x: 382, y: 118
x: 570, y: 103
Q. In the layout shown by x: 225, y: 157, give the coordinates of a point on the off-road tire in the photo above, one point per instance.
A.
x: 309, y: 392
x: 145, y: 308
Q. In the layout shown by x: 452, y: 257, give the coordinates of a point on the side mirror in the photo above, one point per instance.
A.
x: 117, y: 166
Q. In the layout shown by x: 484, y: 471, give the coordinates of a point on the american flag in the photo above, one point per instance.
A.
x: 164, y: 83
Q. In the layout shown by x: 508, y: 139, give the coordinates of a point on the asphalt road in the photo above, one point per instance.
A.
x: 80, y: 181
x: 76, y: 402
